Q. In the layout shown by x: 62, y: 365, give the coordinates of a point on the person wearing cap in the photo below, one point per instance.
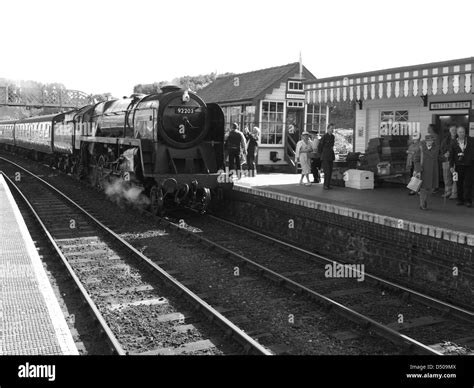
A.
x: 461, y: 159
x: 303, y: 148
x: 236, y: 146
x: 252, y: 149
x: 326, y: 150
x: 426, y: 159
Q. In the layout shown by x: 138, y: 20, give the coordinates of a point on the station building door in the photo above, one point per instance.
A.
x: 294, y: 122
x: 443, y: 122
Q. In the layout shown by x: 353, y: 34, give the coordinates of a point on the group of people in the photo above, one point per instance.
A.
x: 315, y: 153
x: 454, y: 156
x: 242, y: 146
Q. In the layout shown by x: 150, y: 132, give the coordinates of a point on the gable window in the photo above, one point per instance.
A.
x: 272, y: 122
x: 295, y: 86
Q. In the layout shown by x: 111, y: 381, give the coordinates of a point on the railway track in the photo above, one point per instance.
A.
x: 418, y: 323
x: 140, y: 308
x: 281, y: 320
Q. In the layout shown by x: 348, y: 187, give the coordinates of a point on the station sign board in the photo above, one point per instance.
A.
x: 450, y: 105
x: 295, y: 96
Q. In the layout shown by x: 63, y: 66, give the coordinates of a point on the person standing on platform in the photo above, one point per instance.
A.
x: 412, y: 148
x: 236, y: 146
x: 433, y: 132
x: 303, y: 149
x: 461, y: 158
x: 252, y: 150
x: 437, y: 141
x: 450, y: 187
x: 426, y: 160
x: 326, y: 150
x: 315, y: 159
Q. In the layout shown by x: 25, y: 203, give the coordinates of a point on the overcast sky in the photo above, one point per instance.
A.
x: 103, y: 46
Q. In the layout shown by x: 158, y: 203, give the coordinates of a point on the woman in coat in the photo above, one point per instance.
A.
x: 303, y: 148
x: 426, y: 159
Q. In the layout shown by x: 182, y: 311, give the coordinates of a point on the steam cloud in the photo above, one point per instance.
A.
x: 121, y: 192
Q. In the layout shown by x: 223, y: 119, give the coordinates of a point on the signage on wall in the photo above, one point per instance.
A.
x: 450, y: 105
x: 295, y: 96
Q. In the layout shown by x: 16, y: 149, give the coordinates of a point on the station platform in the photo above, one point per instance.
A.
x: 388, y: 206
x: 31, y: 320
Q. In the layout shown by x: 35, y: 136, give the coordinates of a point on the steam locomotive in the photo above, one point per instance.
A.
x: 170, y: 145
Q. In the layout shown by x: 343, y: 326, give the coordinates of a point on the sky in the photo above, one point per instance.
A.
x: 100, y: 46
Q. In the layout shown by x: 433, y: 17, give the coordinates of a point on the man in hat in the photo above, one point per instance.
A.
x: 236, y: 146
x: 326, y: 150
x: 426, y: 159
x: 461, y: 159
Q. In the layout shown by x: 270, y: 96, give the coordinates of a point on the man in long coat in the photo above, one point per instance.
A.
x: 426, y: 160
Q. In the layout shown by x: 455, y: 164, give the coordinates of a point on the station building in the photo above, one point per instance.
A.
x: 272, y: 99
x: 402, y: 101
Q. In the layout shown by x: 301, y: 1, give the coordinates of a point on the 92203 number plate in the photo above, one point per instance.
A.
x: 184, y: 110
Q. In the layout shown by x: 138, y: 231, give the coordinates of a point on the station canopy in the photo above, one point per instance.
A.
x: 439, y: 78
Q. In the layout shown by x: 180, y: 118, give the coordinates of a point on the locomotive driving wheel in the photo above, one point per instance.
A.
x: 156, y: 201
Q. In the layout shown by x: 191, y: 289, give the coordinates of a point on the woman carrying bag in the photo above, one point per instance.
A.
x: 426, y: 160
x: 412, y: 148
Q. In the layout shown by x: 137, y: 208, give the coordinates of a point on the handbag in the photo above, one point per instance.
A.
x: 414, y: 184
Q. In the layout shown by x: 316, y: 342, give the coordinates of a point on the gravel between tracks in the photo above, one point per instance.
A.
x: 256, y: 305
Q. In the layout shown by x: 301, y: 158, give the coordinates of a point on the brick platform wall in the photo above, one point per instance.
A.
x: 421, y: 262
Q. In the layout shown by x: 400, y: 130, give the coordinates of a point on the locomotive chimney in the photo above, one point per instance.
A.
x: 169, y: 88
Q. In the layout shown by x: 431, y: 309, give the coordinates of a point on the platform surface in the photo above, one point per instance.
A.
x: 386, y: 205
x: 31, y: 320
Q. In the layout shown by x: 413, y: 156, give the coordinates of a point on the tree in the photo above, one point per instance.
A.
x: 101, y: 97
x: 149, y: 88
x: 195, y: 83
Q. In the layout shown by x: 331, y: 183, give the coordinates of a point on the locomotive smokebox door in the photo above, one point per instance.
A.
x: 182, y: 119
